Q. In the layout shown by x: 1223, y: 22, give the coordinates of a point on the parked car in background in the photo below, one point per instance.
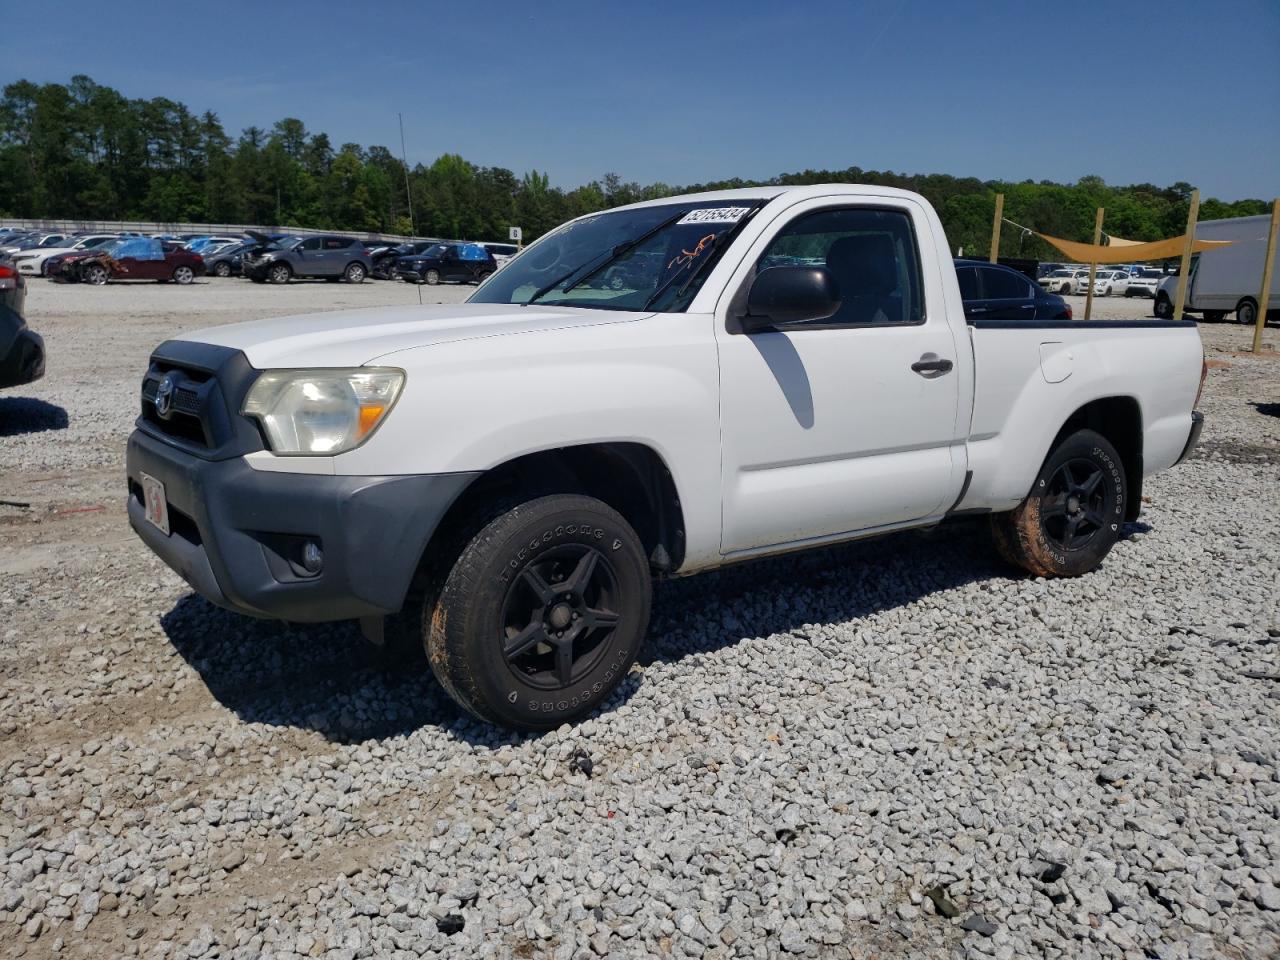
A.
x: 34, y: 242
x: 32, y: 262
x: 384, y: 257
x: 21, y: 349
x: 129, y: 258
x: 502, y: 252
x: 204, y: 243
x: 327, y: 257
x: 1059, y: 281
x: 1143, y: 283
x: 225, y: 261
x: 455, y: 262
x: 1108, y: 281
x: 994, y: 292
x: 1226, y: 278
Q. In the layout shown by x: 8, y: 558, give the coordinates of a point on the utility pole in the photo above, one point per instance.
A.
x: 1187, y: 249
x: 1264, y: 295
x: 404, y: 158
x: 1093, y: 266
x: 995, y: 228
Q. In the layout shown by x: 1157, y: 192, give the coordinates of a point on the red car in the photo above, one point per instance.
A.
x: 130, y: 258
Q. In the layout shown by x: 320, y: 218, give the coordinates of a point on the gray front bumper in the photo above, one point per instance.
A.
x: 237, y: 533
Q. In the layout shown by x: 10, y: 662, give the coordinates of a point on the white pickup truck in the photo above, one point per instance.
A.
x: 649, y: 392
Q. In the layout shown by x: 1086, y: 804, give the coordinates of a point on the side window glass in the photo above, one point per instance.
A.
x: 968, y: 278
x: 1004, y: 285
x: 312, y: 243
x: 336, y: 243
x: 871, y: 254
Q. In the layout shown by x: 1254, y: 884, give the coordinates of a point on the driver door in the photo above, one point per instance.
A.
x: 826, y: 428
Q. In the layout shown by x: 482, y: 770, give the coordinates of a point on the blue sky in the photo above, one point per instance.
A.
x: 689, y: 92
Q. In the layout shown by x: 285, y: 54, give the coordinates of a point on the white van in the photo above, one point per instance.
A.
x: 1228, y: 278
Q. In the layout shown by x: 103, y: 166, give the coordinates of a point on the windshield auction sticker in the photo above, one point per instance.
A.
x: 715, y: 215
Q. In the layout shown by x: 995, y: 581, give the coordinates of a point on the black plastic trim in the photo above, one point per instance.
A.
x: 1197, y: 425
x: 228, y: 375
x: 372, y: 530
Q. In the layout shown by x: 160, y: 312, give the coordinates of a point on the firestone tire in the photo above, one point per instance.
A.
x: 542, y: 614
x: 1074, y: 513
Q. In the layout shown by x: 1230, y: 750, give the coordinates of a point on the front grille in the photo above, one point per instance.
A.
x: 183, y: 419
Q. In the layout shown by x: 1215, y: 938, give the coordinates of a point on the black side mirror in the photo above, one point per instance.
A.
x: 781, y: 296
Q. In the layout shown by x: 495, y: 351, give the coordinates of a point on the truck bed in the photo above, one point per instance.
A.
x: 1030, y: 377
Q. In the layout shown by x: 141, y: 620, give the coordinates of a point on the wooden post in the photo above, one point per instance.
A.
x: 995, y: 228
x: 1093, y: 265
x: 1187, y: 247
x: 1265, y: 294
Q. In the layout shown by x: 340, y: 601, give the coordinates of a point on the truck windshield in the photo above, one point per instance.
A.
x: 645, y: 258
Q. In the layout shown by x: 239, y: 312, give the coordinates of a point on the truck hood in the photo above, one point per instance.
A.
x: 352, y: 338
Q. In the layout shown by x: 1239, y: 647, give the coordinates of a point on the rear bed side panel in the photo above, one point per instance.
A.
x: 1018, y: 411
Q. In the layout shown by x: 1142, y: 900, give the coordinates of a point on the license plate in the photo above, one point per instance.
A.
x: 157, y: 506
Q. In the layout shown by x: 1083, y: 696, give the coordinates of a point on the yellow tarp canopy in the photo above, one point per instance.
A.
x: 1128, y: 251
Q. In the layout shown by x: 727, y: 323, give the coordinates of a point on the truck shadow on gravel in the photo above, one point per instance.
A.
x: 19, y: 415
x: 325, y: 678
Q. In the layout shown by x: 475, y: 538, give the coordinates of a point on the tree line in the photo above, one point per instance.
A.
x: 84, y: 151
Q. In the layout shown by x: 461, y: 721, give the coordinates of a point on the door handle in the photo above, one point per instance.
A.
x: 931, y: 365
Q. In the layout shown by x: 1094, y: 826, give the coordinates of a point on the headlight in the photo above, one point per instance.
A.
x: 322, y: 411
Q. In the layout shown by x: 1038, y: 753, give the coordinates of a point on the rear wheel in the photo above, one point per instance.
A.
x: 355, y: 273
x: 1247, y: 312
x: 222, y: 269
x: 279, y: 273
x: 183, y: 274
x: 1072, y: 517
x: 543, y: 613
x: 484, y: 276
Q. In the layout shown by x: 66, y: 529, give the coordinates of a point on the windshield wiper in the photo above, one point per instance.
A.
x: 594, y: 266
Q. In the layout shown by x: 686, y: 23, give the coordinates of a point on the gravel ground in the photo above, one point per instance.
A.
x: 894, y: 749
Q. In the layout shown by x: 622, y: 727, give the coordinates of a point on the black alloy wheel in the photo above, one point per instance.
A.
x: 557, y: 616
x: 1072, y: 508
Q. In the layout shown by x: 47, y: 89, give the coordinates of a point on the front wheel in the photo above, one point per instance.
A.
x: 222, y: 269
x: 1164, y: 307
x: 355, y: 273
x: 432, y: 277
x: 1072, y: 517
x: 96, y: 274
x: 279, y: 273
x: 543, y: 613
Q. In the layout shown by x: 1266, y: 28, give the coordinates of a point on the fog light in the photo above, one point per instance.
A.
x: 312, y: 557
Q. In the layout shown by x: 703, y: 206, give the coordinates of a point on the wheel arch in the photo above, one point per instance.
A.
x: 1119, y: 419
x: 630, y: 477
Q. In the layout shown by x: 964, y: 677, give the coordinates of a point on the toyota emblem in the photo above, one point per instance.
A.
x: 164, y: 395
